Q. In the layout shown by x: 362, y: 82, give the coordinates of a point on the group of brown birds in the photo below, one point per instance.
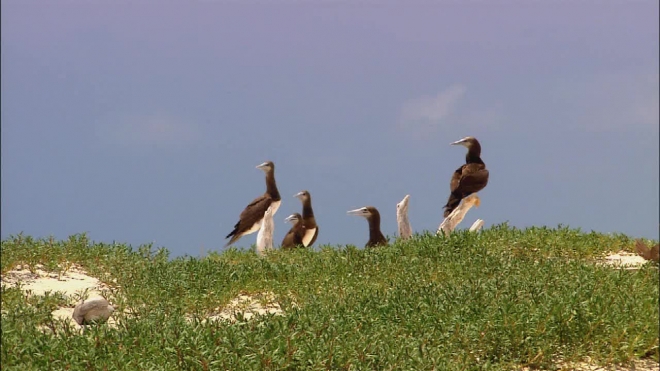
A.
x: 469, y: 178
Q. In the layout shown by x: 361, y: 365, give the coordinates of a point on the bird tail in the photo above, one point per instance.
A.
x: 452, y: 203
x: 234, y: 238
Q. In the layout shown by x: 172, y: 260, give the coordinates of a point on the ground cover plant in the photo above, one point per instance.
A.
x: 500, y: 299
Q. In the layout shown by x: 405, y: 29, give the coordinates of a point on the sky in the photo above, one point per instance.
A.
x: 142, y: 122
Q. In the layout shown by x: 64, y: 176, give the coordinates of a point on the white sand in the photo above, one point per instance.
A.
x: 250, y: 305
x: 625, y: 260
x: 75, y: 284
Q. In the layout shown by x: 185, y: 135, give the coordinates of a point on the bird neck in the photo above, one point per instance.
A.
x: 473, y: 155
x: 374, y: 227
x: 271, y: 186
x: 307, y: 211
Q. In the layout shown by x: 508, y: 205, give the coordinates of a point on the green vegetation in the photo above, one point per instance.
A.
x: 495, y: 300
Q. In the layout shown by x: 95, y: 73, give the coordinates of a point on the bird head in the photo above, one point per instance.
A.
x: 467, y: 142
x: 302, y: 196
x: 266, y: 166
x: 366, y: 212
x: 293, y: 218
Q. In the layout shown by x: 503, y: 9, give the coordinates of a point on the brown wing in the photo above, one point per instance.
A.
x: 293, y: 238
x: 473, y: 179
x: 252, y: 214
x: 456, y: 179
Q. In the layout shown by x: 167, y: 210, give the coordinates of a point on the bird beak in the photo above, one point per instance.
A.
x: 358, y: 212
x: 262, y: 166
x: 299, y: 195
x: 291, y: 218
x: 459, y: 142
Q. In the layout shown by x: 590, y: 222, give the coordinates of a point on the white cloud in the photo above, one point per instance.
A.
x: 431, y: 110
x: 424, y: 116
x: 151, y: 129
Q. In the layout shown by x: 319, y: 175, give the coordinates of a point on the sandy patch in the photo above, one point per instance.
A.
x: 74, y: 283
x: 624, y: 260
x: 249, y: 306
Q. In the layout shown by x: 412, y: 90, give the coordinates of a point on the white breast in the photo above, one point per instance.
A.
x: 308, y: 236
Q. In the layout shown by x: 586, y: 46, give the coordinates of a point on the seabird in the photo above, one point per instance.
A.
x: 373, y: 217
x: 250, y: 218
x: 469, y: 178
x: 265, y: 235
x: 405, y: 231
x: 96, y: 310
x: 294, y: 237
x: 310, y: 229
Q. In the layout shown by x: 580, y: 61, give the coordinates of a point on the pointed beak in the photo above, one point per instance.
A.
x: 291, y: 218
x: 298, y: 195
x: 358, y: 212
x: 262, y: 166
x: 458, y: 142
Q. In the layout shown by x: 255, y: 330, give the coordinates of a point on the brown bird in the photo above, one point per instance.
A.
x: 647, y: 253
x: 373, y: 217
x: 310, y: 229
x: 294, y: 237
x: 469, y: 178
x: 250, y: 218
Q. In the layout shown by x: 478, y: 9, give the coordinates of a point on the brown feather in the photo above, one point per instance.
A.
x: 376, y: 237
x: 647, y: 253
x: 255, y: 210
x: 251, y: 215
x: 309, y: 222
x: 470, y: 178
x: 294, y: 237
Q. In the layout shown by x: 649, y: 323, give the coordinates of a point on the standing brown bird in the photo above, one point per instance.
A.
x: 294, y: 237
x: 373, y: 217
x: 250, y: 218
x: 469, y: 178
x: 310, y: 228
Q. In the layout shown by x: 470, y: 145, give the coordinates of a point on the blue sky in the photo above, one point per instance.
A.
x: 143, y: 121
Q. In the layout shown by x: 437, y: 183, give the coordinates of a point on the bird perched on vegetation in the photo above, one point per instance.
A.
x: 96, y: 310
x: 373, y: 217
x: 470, y: 178
x: 310, y: 228
x: 405, y: 230
x: 250, y: 218
x: 294, y: 237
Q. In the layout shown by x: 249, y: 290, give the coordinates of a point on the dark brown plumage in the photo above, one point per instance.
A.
x: 250, y: 218
x: 310, y: 228
x: 372, y: 215
x: 470, y: 178
x: 648, y: 253
x: 294, y: 237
